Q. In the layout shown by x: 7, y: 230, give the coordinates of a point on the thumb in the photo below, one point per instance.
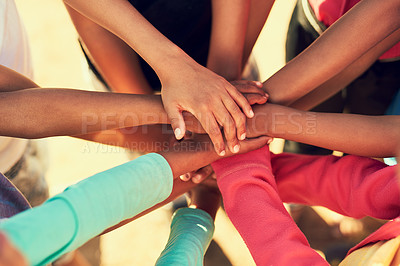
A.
x: 177, y: 122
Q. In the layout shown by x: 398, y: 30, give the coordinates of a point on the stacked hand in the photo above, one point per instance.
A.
x: 214, y: 102
x: 251, y: 90
x: 254, y: 95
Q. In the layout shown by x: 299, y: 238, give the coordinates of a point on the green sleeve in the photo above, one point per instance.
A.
x: 86, y: 209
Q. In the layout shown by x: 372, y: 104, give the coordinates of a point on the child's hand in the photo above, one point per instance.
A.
x: 212, y: 100
x: 199, y: 175
x: 190, y: 154
x: 251, y: 90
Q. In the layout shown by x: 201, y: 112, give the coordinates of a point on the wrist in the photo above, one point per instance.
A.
x: 173, y: 63
x: 262, y: 123
x: 279, y: 121
x: 152, y: 110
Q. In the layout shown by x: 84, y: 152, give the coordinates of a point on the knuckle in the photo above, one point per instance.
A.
x: 230, y: 126
x: 235, y: 110
x: 241, y: 119
x: 174, y: 120
x: 214, y: 130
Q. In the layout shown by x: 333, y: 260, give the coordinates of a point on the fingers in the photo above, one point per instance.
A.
x: 235, y: 124
x: 230, y: 124
x: 186, y: 177
x: 201, y: 174
x: 257, y: 84
x: 241, y: 101
x: 247, y: 86
x: 177, y: 122
x: 210, y: 125
x: 192, y: 123
x: 254, y: 98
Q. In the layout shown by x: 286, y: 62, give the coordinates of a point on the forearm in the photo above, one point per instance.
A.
x: 119, y: 66
x: 354, y: 134
x: 146, y: 138
x: 246, y: 183
x: 259, y: 12
x: 161, y: 54
x: 11, y: 80
x: 229, y: 24
x: 340, y: 81
x: 84, y: 210
x: 306, y: 72
x: 183, y: 157
x: 37, y: 113
x: 367, y: 187
x: 179, y: 188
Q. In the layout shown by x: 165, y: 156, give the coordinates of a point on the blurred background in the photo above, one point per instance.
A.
x: 59, y: 63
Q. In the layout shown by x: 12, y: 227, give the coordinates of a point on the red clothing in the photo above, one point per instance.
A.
x: 388, y: 231
x: 328, y: 11
x: 350, y: 185
x: 252, y: 203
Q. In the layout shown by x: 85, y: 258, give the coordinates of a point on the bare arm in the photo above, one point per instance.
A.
x: 189, y: 155
x: 37, y: 113
x: 208, y: 96
x: 337, y: 83
x: 11, y: 80
x: 344, y: 42
x: 229, y: 25
x: 119, y: 65
x: 372, y: 136
x: 259, y: 12
x: 229, y: 22
x: 146, y: 138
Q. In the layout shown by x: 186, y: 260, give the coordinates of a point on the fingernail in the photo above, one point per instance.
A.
x: 178, y: 133
x: 259, y: 83
x: 269, y: 141
x: 236, y: 149
x: 184, y: 177
x: 196, y: 179
x: 251, y: 113
x: 222, y: 153
x: 243, y: 136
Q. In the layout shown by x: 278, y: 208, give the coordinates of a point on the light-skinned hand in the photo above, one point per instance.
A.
x: 251, y: 91
x: 212, y: 100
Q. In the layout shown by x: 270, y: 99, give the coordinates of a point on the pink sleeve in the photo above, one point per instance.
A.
x: 388, y: 231
x: 351, y: 185
x: 256, y: 210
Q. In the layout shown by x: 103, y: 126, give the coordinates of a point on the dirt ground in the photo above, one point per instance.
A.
x: 58, y: 62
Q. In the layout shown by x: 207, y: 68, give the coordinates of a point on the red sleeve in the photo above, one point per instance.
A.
x: 252, y: 203
x: 388, y: 231
x: 351, y: 185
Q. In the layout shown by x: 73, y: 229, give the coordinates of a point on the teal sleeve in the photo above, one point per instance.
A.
x: 191, y: 233
x: 86, y: 209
